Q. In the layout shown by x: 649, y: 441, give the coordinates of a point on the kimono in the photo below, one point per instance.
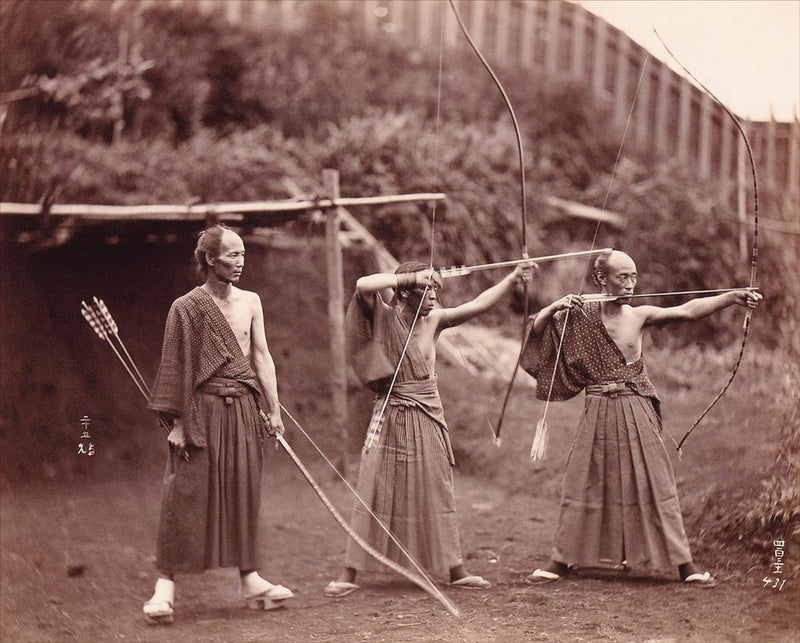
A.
x: 210, y: 504
x: 406, y: 478
x: 619, y: 500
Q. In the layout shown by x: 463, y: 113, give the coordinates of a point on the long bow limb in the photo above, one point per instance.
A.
x: 104, y: 326
x: 523, y: 200
x: 754, y: 254
x: 420, y: 579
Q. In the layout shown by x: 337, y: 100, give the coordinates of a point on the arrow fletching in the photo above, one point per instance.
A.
x: 90, y: 316
x: 374, y: 431
x: 101, y: 306
x: 539, y: 441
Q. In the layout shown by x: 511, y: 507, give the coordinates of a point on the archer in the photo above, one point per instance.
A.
x: 619, y: 501
x: 215, y: 362
x: 406, y: 472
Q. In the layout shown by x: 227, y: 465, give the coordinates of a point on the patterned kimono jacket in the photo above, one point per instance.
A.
x: 407, y: 477
x: 619, y: 500
x: 210, y: 504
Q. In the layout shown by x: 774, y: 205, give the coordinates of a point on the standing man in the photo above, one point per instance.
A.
x: 214, y: 359
x: 619, y: 501
x: 406, y: 478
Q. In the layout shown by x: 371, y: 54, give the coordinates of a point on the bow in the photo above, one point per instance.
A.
x: 754, y: 253
x: 421, y: 579
x: 523, y: 201
x: 104, y: 326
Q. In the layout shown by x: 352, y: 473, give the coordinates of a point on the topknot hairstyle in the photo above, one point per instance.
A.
x: 209, y: 241
x: 600, y: 267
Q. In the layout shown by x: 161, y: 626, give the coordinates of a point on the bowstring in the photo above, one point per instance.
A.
x: 361, y: 500
x: 436, y: 137
x: 524, y: 211
x: 614, y: 171
x: 373, y: 433
x: 754, y: 251
x: 591, y: 259
x: 436, y: 187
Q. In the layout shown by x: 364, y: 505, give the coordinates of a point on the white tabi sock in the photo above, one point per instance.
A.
x: 164, y: 592
x: 253, y: 585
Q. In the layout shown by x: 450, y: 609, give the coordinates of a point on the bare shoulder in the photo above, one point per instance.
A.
x: 651, y: 314
x: 246, y: 295
x: 641, y: 311
x: 250, y: 298
x: 437, y: 316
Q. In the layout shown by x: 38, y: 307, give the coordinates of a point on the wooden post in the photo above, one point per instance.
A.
x: 528, y: 36
x: 333, y: 253
x: 118, y: 97
x: 600, y: 52
x: 622, y: 82
x: 578, y: 28
x: 706, y: 133
x: 741, y: 199
x: 502, y: 29
x: 684, y: 132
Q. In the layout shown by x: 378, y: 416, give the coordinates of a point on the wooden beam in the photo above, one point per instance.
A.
x: 582, y: 211
x: 225, y: 211
x: 335, y: 272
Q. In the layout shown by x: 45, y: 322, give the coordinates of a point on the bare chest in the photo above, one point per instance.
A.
x: 627, y: 335
x: 239, y: 318
x: 426, y: 343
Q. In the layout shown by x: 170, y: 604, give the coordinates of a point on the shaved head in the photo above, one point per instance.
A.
x: 609, y: 262
x: 210, y: 241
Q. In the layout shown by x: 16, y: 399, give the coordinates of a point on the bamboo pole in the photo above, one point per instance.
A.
x: 228, y: 211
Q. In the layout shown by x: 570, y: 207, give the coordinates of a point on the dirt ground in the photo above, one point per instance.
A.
x: 77, y: 562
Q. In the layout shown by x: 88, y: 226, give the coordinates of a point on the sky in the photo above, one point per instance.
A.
x: 745, y: 51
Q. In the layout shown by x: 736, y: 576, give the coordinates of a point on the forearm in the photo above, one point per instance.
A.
x: 491, y: 296
x: 705, y: 306
x: 481, y: 303
x: 542, y: 318
x: 374, y: 283
x: 267, y: 377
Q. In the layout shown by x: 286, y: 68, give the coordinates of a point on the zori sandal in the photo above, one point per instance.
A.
x: 339, y: 589
x: 706, y: 580
x: 471, y: 582
x: 270, y: 599
x: 541, y: 577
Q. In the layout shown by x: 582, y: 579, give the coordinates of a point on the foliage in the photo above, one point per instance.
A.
x: 773, y: 510
x: 50, y: 37
x: 95, y: 98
